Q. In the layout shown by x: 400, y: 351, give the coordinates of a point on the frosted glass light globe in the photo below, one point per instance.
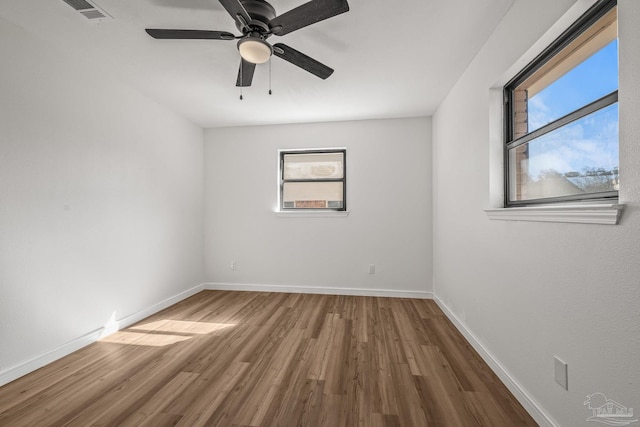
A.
x: 254, y: 50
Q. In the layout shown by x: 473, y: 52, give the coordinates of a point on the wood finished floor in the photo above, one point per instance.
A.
x: 225, y: 358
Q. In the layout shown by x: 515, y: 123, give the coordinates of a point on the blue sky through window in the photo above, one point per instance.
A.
x: 588, y: 143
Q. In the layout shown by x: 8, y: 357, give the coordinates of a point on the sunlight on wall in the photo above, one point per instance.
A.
x: 112, y: 326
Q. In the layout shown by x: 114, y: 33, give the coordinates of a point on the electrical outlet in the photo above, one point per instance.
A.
x: 372, y: 269
x: 561, y: 373
x: 234, y: 265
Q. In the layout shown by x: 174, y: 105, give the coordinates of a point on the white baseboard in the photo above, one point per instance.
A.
x: 17, y: 371
x: 529, y: 404
x: 391, y: 293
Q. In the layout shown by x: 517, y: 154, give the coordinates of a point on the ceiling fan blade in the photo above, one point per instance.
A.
x: 235, y: 9
x: 301, y: 60
x: 245, y: 73
x: 307, y: 14
x: 189, y: 34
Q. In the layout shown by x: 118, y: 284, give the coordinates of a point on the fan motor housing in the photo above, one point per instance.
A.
x: 260, y: 12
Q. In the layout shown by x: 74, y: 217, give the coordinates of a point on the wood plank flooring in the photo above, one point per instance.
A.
x: 225, y: 358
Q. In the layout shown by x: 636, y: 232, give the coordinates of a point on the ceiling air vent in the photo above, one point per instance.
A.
x: 89, y: 10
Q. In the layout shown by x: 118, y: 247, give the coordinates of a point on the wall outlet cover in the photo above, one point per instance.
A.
x: 560, y: 371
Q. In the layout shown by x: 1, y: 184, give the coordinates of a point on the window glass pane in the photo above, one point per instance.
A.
x: 584, y: 71
x: 589, y: 81
x: 312, y: 195
x: 314, y: 166
x: 579, y: 158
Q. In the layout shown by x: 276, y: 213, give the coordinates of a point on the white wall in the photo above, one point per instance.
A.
x: 388, y: 196
x: 100, y: 202
x: 528, y: 291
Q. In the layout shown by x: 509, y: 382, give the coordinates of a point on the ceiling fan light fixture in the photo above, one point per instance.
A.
x: 255, y: 50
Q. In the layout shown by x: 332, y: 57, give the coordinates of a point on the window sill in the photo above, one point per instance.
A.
x: 608, y: 214
x: 312, y: 214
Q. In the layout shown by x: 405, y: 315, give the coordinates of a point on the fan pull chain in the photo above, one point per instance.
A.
x: 241, y: 61
x: 270, y: 75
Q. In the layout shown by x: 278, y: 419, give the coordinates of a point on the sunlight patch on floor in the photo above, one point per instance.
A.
x: 182, y: 327
x: 137, y: 338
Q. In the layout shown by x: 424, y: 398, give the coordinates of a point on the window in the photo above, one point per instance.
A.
x: 313, y: 179
x: 561, y: 117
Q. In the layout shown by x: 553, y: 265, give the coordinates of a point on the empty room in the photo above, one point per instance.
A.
x: 324, y: 213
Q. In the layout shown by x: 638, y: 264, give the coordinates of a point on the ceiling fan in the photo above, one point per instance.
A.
x: 257, y: 21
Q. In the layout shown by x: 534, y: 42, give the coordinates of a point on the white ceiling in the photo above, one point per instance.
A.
x: 391, y: 58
